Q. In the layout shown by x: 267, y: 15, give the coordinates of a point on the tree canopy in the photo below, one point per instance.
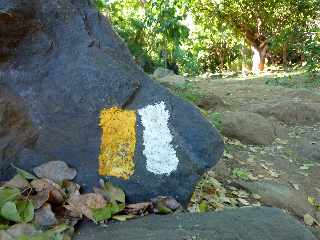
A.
x: 195, y: 36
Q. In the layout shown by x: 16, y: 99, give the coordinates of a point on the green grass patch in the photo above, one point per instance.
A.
x: 216, y: 119
x: 302, y: 80
x: 241, y: 174
x: 187, y: 91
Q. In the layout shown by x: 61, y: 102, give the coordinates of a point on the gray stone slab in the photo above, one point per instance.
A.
x: 240, y: 224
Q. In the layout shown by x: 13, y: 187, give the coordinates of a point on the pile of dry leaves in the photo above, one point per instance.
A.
x: 48, y: 205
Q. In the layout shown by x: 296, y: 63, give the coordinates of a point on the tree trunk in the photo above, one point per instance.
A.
x: 258, y: 58
x: 221, y: 60
x: 285, y: 54
x: 263, y: 54
x: 258, y: 44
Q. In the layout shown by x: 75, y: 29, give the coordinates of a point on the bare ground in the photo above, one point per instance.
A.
x: 293, y: 160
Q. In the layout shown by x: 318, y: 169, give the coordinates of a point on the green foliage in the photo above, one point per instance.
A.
x: 240, y: 173
x: 186, y: 91
x: 116, y: 198
x: 196, y: 36
x: 203, y: 206
x: 106, y: 213
x: 100, y: 4
x: 13, y: 209
x: 24, y: 173
x: 278, y: 25
x: 312, y: 50
x: 216, y: 119
x: 26, y: 210
x: 113, y: 193
x: 8, y: 194
x: 153, y: 30
x: 10, y: 212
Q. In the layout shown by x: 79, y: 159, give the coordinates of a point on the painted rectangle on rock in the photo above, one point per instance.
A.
x: 118, y: 142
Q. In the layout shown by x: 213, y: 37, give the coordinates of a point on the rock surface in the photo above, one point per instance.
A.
x: 280, y: 196
x: 290, y: 112
x: 173, y: 80
x: 249, y: 128
x: 308, y: 149
x: 241, y: 224
x: 56, y: 171
x: 162, y: 72
x: 63, y: 64
x: 211, y: 102
x: 16, y: 130
x: 304, y: 95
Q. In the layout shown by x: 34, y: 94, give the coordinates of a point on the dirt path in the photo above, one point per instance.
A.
x: 292, y: 161
x: 289, y: 158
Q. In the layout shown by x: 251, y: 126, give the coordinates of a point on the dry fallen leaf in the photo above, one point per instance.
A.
x: 39, y: 199
x: 110, y: 192
x: 169, y: 202
x: 243, y: 201
x: 162, y: 204
x: 85, y: 203
x: 56, y: 194
x: 138, y: 208
x: 71, y: 188
x: 18, y: 181
x: 123, y: 218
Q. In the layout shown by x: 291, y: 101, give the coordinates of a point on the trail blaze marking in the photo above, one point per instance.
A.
x: 157, y: 140
x: 118, y: 142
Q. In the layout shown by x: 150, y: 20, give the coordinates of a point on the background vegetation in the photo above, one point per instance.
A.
x: 197, y: 36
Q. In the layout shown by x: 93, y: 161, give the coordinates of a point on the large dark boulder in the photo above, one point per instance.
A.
x: 63, y: 64
x: 240, y: 224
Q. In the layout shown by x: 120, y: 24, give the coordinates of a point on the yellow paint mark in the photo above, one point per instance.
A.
x: 118, y: 142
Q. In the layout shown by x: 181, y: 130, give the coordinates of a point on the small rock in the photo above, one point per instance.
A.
x: 172, y: 80
x: 308, y: 219
x: 162, y: 72
x: 22, y: 229
x: 211, y: 102
x: 56, y: 171
x: 249, y: 128
x: 45, y: 217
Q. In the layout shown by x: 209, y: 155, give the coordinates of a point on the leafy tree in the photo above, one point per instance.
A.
x: 194, y: 36
x: 153, y: 29
x: 312, y: 50
x: 260, y: 22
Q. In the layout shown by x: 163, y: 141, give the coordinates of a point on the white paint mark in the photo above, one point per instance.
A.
x: 158, y: 150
